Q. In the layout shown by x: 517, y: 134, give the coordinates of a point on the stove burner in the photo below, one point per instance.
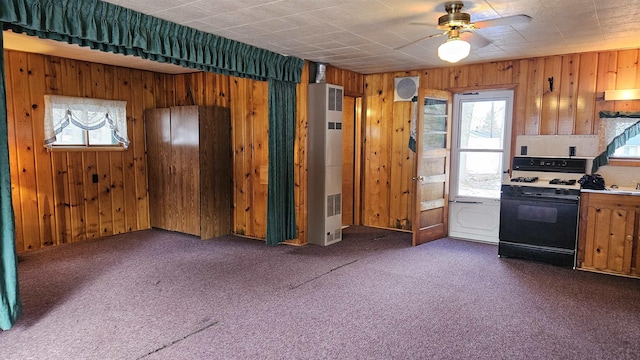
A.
x: 530, y: 179
x: 562, y: 182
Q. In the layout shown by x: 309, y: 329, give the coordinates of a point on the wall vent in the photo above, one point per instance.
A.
x: 405, y: 88
x: 334, y: 205
x: 329, y: 237
x: 335, y: 99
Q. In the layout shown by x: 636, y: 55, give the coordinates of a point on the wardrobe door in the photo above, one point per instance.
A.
x: 158, y: 136
x: 185, y: 192
x: 215, y: 172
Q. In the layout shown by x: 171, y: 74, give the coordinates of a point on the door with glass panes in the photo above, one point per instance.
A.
x: 431, y: 176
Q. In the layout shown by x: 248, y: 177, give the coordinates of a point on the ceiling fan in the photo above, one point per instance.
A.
x: 458, y: 27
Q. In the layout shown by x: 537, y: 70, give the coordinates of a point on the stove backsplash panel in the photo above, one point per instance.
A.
x: 585, y: 146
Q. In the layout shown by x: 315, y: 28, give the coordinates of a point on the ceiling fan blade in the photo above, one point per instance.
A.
x: 422, y: 24
x: 507, y: 20
x: 423, y: 38
x: 476, y: 40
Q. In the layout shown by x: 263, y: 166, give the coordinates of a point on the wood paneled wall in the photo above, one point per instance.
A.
x: 54, y: 197
x: 250, y: 123
x: 352, y: 82
x: 388, y: 161
x: 572, y: 107
x: 56, y: 201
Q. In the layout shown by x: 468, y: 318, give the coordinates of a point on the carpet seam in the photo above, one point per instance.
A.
x: 178, y: 340
x: 292, y: 287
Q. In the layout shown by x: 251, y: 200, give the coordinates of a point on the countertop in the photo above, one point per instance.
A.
x: 621, y: 190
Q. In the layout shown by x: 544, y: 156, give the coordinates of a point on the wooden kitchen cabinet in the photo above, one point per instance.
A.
x: 189, y: 167
x: 609, y: 239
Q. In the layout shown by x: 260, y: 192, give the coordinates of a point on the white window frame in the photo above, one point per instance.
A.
x: 87, y: 114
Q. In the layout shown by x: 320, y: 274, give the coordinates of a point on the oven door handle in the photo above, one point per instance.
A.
x: 465, y: 202
x: 543, y: 199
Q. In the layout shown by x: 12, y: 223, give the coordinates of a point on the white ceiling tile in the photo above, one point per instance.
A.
x: 567, y: 7
x: 219, y: 7
x: 618, y: 14
x: 621, y: 4
x: 586, y: 35
x: 614, y: 26
x: 517, y: 7
x: 149, y: 6
x: 206, y: 26
x: 274, y: 25
x: 584, y: 21
x: 184, y: 14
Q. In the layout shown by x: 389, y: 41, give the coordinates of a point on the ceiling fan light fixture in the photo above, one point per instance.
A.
x: 454, y: 50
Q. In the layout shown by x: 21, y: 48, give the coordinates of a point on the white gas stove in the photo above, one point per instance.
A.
x: 545, y: 172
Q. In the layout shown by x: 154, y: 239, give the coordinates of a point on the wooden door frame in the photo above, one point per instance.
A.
x: 358, y: 156
x: 358, y: 174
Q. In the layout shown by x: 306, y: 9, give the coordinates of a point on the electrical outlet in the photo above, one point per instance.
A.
x: 572, y: 151
x: 94, y: 178
x: 523, y: 150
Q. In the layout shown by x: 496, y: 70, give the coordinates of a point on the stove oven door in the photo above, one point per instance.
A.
x: 542, y: 229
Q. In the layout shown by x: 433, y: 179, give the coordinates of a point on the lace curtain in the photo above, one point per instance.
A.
x: 610, y: 128
x: 85, y: 113
x: 616, y: 128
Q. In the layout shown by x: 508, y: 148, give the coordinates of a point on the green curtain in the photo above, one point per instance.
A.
x: 281, y: 215
x: 112, y: 28
x: 10, y: 306
x: 618, y: 141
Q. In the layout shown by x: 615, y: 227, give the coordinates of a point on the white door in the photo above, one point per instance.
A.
x: 480, y: 162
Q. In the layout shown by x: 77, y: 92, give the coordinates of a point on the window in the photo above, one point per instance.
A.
x: 72, y: 122
x: 481, y: 143
x: 629, y: 147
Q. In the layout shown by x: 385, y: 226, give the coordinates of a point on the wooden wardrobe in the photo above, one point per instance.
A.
x: 189, y: 169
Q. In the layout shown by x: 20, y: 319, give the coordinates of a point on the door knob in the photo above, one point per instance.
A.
x: 419, y: 178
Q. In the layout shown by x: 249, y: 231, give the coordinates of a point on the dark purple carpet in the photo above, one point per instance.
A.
x: 161, y: 295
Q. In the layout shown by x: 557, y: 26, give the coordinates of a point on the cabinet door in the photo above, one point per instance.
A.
x: 158, y: 136
x: 185, y: 192
x: 609, y: 239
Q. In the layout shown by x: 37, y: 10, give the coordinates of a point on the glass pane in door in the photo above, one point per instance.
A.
x: 480, y: 174
x: 482, y: 124
x: 481, y: 139
x: 434, y: 126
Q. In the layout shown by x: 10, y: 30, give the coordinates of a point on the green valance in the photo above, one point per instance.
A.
x: 112, y: 28
x: 619, y: 114
x: 619, y: 140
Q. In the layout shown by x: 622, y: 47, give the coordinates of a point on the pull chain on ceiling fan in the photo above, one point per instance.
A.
x: 458, y: 27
